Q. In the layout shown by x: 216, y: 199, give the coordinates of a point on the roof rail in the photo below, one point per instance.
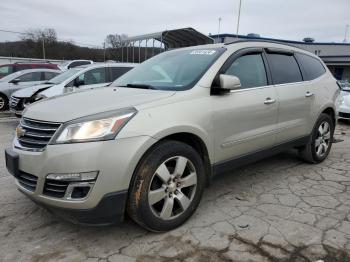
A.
x: 262, y: 41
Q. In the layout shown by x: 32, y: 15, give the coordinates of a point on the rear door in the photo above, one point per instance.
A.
x: 294, y: 98
x: 245, y: 119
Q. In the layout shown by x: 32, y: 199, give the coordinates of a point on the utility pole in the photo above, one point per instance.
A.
x: 219, y: 28
x: 346, y: 33
x: 43, y: 43
x: 239, y: 17
x: 104, y: 51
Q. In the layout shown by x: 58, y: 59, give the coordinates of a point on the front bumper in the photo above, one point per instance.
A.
x: 344, y: 112
x: 115, y: 161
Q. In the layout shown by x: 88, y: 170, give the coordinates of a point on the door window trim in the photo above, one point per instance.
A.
x: 234, y: 56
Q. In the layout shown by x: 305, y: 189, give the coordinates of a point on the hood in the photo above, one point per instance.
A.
x: 29, y: 91
x: 83, y: 103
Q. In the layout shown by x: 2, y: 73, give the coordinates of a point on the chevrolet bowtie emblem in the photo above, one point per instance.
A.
x: 20, y: 131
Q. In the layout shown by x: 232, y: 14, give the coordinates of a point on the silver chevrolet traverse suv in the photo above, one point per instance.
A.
x: 160, y: 132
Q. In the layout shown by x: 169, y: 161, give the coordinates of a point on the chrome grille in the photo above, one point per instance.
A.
x: 55, y: 188
x: 14, y: 101
x: 36, y: 134
x: 27, y: 181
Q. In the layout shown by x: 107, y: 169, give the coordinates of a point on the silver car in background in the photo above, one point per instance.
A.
x: 78, y: 78
x: 21, y: 79
x: 148, y: 144
x: 73, y: 63
x: 344, y: 100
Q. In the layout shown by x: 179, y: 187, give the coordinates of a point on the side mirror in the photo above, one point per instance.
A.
x: 78, y: 82
x: 15, y: 81
x: 228, y: 82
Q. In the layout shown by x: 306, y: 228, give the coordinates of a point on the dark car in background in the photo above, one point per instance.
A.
x: 12, y: 68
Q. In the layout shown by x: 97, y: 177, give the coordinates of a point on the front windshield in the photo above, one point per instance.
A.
x: 174, y: 70
x: 62, y: 77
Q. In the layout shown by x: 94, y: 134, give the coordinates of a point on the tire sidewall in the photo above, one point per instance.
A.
x: 321, y: 119
x: 5, y: 104
x: 143, y: 178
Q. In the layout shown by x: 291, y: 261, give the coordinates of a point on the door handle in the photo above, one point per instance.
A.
x: 308, y: 94
x: 269, y: 101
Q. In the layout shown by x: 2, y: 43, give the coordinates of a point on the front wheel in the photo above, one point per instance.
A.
x: 3, y: 102
x: 320, y: 142
x: 167, y: 186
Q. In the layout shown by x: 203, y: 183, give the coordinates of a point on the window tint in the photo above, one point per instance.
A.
x: 49, y: 75
x: 22, y: 67
x: 118, y: 71
x: 312, y: 67
x: 250, y: 70
x: 34, y: 76
x: 284, y: 69
x: 94, y: 76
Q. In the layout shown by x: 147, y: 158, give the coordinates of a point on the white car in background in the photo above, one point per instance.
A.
x: 21, y: 79
x: 344, y: 100
x: 78, y: 78
x: 74, y: 63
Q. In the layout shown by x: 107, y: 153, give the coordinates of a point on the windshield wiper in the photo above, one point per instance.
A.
x: 142, y: 86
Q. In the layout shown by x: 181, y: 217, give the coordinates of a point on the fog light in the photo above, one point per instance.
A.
x: 80, y: 192
x: 74, y: 177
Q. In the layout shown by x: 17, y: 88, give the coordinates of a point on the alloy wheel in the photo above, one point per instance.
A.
x: 172, y: 187
x: 2, y: 103
x: 322, y: 140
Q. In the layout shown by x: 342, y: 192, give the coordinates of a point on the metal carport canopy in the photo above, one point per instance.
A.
x: 175, y: 38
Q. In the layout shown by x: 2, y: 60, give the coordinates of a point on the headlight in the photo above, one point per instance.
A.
x: 95, y: 128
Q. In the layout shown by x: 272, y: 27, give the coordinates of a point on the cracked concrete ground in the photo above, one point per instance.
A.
x: 279, y: 209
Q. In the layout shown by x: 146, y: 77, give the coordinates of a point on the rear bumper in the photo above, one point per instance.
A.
x: 110, y: 210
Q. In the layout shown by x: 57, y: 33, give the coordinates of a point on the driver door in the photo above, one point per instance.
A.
x: 245, y: 119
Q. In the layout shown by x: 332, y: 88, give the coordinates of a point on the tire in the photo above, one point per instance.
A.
x: 154, y: 179
x: 4, y: 102
x: 319, y: 146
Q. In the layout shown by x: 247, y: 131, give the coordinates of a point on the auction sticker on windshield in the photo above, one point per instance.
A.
x: 203, y: 52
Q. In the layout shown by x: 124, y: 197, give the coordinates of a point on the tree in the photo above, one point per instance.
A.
x: 116, y: 40
x: 38, y: 35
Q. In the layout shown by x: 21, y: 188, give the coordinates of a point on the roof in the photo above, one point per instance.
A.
x: 176, y: 38
x: 278, y: 40
x: 97, y: 65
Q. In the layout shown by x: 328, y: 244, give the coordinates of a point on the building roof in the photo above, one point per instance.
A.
x: 176, y: 38
x: 278, y: 40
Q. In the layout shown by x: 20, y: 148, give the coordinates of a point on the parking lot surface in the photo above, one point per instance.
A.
x: 279, y: 209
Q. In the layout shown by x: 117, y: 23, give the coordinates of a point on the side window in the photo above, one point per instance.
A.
x: 21, y: 67
x: 250, y: 70
x: 94, y: 76
x: 312, y: 67
x: 284, y: 69
x: 49, y: 75
x: 30, y: 77
x: 116, y: 72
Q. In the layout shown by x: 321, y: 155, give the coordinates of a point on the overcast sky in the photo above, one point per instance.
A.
x: 89, y: 21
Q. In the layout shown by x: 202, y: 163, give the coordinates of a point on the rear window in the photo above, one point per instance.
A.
x: 5, y: 70
x: 313, y: 67
x: 284, y: 68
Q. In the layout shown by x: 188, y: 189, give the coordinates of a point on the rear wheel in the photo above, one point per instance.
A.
x: 320, y: 142
x: 167, y: 186
x: 3, y: 102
